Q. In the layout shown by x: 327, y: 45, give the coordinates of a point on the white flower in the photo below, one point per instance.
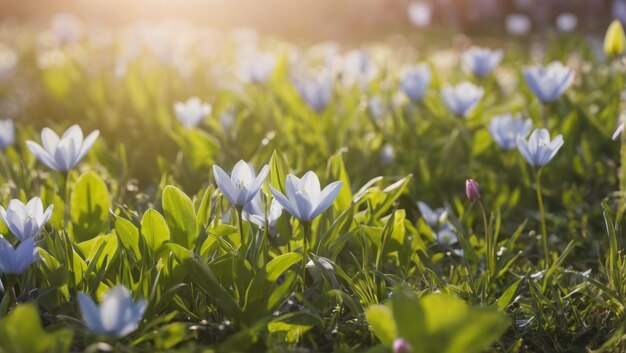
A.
x: 504, y: 129
x: 518, y: 24
x: 117, y: 314
x: 550, y: 82
x: 566, y: 22
x: 387, y: 154
x: 481, y: 61
x: 17, y: 260
x: 7, y: 133
x: 432, y: 217
x: 305, y: 200
x: 538, y: 150
x: 8, y: 61
x: 257, y: 67
x: 420, y: 13
x: 316, y: 90
x: 62, y: 154
x: 242, y: 185
x: 191, y: 112
x: 67, y: 28
x: 414, y: 81
x: 462, y: 98
x: 255, y: 212
x: 358, y: 68
x: 446, y: 235
x: 25, y: 220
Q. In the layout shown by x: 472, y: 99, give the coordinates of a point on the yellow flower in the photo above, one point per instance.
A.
x: 615, y: 40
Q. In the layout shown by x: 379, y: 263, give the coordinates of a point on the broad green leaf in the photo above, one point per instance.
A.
x: 89, y: 207
x: 381, y: 320
x: 128, y: 236
x: 154, y: 229
x: 180, y: 217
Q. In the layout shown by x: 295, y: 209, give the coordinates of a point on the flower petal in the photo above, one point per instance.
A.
x: 224, y: 184
x: 328, y: 196
x: 283, y: 201
x: 42, y: 155
x: 90, y: 313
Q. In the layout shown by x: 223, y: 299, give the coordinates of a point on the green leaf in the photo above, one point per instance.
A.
x: 154, y: 229
x: 128, y: 236
x: 337, y: 171
x: 409, y: 314
x: 507, y: 297
x: 382, y: 322
x: 204, y: 211
x: 180, y: 217
x: 278, y: 171
x: 89, y: 208
x: 295, y: 324
x: 206, y: 280
x: 21, y: 332
x: 260, y: 297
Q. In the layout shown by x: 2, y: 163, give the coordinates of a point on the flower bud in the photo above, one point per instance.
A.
x: 472, y: 190
x: 614, y: 40
x: 400, y: 345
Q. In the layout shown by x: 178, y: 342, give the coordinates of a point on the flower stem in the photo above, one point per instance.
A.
x: 488, y: 240
x: 66, y: 197
x: 240, y: 223
x: 307, y: 232
x: 542, y: 215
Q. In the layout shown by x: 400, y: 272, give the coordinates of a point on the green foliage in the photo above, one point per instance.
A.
x: 436, y: 323
x: 21, y: 332
x: 180, y: 217
x: 89, y: 206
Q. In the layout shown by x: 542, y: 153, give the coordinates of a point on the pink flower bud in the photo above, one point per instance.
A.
x: 472, y: 190
x: 400, y: 345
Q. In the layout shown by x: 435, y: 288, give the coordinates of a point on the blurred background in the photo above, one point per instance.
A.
x: 339, y: 20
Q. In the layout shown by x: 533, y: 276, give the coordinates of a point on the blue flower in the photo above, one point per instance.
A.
x: 257, y: 67
x: 242, y: 185
x: 481, y: 61
x: 316, y: 91
x: 25, y: 220
x: 7, y: 133
x: 257, y: 213
x: 358, y: 68
x: 376, y: 108
x: 432, y: 217
x: 191, y: 112
x: 117, y: 315
x: 62, y: 154
x: 550, y: 82
x: 446, y: 235
x: 420, y: 13
x: 17, y: 260
x: 462, y: 98
x: 305, y: 200
x: 538, y: 150
x: 415, y: 81
x: 505, y: 128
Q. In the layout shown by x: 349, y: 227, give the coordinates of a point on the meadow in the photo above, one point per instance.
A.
x: 171, y: 188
